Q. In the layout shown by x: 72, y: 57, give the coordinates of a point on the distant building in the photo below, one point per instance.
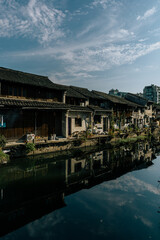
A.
x: 152, y: 93
x: 116, y: 92
x: 140, y: 94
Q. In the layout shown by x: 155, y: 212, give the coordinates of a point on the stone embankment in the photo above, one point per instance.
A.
x: 48, y: 146
x: 42, y: 147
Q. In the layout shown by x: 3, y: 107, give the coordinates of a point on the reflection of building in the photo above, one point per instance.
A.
x: 37, y: 186
x: 144, y: 153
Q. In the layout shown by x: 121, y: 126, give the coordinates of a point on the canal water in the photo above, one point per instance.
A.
x: 94, y: 194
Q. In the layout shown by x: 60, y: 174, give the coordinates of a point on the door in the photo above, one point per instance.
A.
x: 69, y: 126
x: 105, y: 124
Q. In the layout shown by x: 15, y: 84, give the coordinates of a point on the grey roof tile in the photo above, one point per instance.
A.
x: 27, y: 78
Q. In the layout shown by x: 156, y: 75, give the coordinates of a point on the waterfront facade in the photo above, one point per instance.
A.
x: 29, y: 104
x: 32, y: 105
x: 144, y: 113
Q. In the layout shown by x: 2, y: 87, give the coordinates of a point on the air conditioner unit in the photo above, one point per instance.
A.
x: 30, y: 137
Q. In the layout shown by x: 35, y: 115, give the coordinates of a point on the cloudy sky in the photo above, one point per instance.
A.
x: 98, y: 44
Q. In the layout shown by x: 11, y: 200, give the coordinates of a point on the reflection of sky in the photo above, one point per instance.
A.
x: 124, y: 208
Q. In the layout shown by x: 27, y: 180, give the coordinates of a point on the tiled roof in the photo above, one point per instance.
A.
x: 26, y: 78
x: 70, y: 92
x: 73, y: 93
x: 34, y: 104
x: 141, y: 101
x: 20, y: 103
x: 99, y: 109
x: 114, y: 99
x: 79, y: 108
x: 157, y: 106
x: 137, y: 96
x: 85, y: 92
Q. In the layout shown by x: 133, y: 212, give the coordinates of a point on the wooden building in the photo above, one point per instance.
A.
x: 33, y: 105
x: 144, y: 115
x: 101, y: 117
x: 121, y: 108
x: 29, y: 104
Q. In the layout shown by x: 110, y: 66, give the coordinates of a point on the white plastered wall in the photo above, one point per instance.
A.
x: 85, y: 120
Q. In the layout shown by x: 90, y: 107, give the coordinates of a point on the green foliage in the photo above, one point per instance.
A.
x: 130, y: 129
x: 30, y: 147
x: 3, y: 157
x: 2, y: 141
x: 141, y: 137
x: 126, y: 140
x: 88, y: 133
x: 111, y: 133
x: 149, y: 132
x: 112, y: 121
x: 136, y: 128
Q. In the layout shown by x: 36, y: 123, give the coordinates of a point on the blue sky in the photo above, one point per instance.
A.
x: 98, y: 44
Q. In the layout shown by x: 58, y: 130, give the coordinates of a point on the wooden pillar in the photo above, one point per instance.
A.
x: 92, y: 120
x: 35, y: 123
x: 64, y: 97
x: 65, y: 124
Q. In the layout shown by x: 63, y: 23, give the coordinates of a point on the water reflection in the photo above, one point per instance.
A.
x: 31, y: 188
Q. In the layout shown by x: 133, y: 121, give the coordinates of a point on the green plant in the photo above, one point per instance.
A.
x: 141, y: 137
x: 137, y: 128
x: 111, y: 132
x: 2, y: 141
x: 30, y: 147
x: 3, y: 157
x: 88, y: 133
x: 130, y: 129
x: 112, y: 122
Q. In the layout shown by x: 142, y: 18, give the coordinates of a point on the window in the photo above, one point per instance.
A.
x: 19, y: 91
x: 10, y: 90
x: 4, y: 89
x: 24, y: 92
x: 78, y: 167
x: 97, y: 119
x: 2, y: 123
x: 102, y: 105
x: 15, y: 91
x: 78, y: 122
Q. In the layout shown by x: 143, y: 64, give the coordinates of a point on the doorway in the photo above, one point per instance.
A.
x: 69, y: 126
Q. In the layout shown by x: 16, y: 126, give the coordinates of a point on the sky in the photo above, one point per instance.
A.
x: 96, y: 44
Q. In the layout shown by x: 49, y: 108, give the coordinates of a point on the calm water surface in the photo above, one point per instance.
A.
x: 109, y: 194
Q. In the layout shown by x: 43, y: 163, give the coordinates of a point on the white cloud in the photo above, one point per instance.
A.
x: 131, y: 184
x: 35, y: 20
x: 91, y: 59
x: 99, y: 45
x: 86, y: 30
x: 144, y: 220
x: 104, y: 3
x: 147, y: 14
x: 48, y: 220
x: 82, y: 61
x: 143, y: 39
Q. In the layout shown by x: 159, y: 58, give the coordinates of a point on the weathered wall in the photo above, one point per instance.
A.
x: 85, y: 121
